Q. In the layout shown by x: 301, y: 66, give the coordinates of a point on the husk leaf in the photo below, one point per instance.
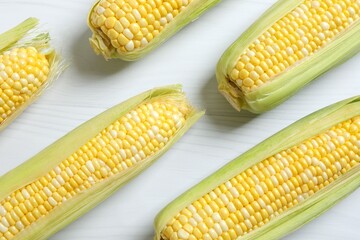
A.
x: 12, y: 36
x: 26, y: 35
x: 286, y: 84
x: 51, y: 156
x: 296, y: 133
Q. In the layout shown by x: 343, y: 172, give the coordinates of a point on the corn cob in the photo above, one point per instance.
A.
x: 83, y: 168
x: 289, y: 46
x: 276, y: 187
x: 129, y: 29
x: 27, y: 66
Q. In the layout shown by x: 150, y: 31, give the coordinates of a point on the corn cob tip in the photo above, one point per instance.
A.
x: 130, y: 29
x: 121, y: 29
x: 28, y: 64
x: 95, y: 45
x: 99, y: 46
x: 230, y: 92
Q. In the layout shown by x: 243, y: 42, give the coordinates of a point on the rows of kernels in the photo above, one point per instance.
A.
x: 22, y: 72
x: 296, y: 36
x: 267, y: 189
x: 132, y: 24
x: 129, y: 140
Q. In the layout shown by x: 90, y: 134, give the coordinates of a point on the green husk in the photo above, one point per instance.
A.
x: 26, y: 35
x: 296, y: 133
x: 101, y: 44
x: 288, y: 83
x: 64, y: 147
x: 15, y: 34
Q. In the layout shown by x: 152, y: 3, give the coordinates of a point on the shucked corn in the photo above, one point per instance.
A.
x: 125, y: 28
x: 134, y: 138
x: 262, y: 193
x: 27, y: 65
x: 303, y: 29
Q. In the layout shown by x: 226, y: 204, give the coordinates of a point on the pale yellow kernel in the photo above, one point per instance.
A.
x: 110, y: 22
x: 243, y: 74
x: 113, y: 35
x: 275, y: 185
x: 122, y: 39
x: 234, y: 74
x: 248, y: 82
x: 124, y: 22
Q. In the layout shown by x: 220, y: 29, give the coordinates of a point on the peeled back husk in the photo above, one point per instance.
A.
x: 101, y: 42
x: 293, y: 217
x: 52, y: 159
x: 285, y: 84
x: 25, y: 36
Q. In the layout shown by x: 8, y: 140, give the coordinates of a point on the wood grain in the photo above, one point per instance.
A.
x: 92, y: 85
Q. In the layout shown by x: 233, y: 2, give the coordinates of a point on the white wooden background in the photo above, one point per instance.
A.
x: 92, y: 85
